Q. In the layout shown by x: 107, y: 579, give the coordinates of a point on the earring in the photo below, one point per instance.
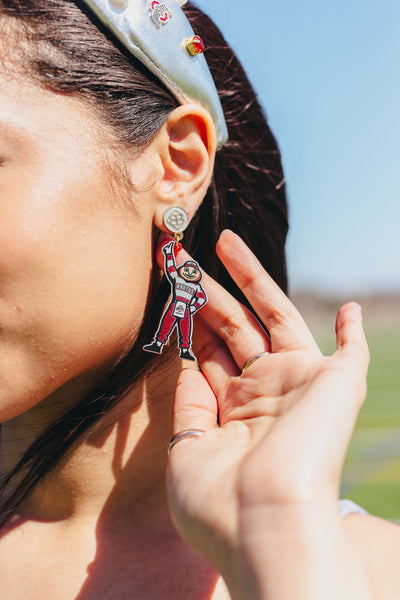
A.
x: 176, y: 221
x: 187, y: 293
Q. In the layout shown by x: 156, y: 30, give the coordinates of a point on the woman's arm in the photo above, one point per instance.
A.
x: 300, y: 553
x: 377, y: 543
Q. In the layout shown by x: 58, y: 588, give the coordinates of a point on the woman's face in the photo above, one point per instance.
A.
x: 75, y: 260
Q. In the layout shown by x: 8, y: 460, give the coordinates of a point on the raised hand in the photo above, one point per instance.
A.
x: 275, y: 435
x: 168, y: 248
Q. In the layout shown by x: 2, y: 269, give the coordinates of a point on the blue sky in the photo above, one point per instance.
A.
x: 328, y: 76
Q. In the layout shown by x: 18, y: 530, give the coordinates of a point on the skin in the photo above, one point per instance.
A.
x: 75, y: 264
x: 83, y: 256
x: 60, y: 227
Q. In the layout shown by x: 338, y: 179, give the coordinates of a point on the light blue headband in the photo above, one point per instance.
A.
x: 160, y: 36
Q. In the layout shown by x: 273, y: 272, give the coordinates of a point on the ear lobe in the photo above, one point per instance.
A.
x: 187, y: 152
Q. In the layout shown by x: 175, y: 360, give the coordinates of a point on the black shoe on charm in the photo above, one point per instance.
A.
x: 155, y: 347
x: 186, y: 354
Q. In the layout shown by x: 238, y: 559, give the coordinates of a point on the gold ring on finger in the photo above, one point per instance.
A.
x: 253, y: 359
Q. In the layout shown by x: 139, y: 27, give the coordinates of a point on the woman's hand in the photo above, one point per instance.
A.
x: 276, y: 434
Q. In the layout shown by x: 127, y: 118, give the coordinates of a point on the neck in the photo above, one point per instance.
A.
x: 115, y: 466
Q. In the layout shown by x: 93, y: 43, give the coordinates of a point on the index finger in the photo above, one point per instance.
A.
x: 284, y: 323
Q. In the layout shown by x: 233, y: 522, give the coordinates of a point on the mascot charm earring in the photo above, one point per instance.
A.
x: 187, y: 294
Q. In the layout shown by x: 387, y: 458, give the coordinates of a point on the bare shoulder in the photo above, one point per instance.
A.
x: 378, y: 542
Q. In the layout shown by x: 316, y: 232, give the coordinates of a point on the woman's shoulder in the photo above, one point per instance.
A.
x: 378, y: 544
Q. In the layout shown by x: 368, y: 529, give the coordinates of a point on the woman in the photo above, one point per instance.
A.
x: 94, y: 150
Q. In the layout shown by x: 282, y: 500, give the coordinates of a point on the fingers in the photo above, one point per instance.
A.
x: 277, y: 313
x: 350, y: 334
x: 195, y: 406
x: 216, y: 361
x: 233, y: 323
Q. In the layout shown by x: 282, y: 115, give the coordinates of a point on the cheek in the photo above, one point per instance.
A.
x: 74, y: 276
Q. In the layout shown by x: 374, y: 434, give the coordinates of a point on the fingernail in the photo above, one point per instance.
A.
x: 223, y: 232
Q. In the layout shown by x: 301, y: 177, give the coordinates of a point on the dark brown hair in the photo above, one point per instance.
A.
x: 65, y: 49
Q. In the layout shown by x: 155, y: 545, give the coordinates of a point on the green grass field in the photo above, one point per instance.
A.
x: 372, y: 470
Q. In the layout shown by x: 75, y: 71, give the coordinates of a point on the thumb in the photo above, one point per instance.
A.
x: 195, y: 405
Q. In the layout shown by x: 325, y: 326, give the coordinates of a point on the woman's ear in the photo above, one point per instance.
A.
x: 185, y: 149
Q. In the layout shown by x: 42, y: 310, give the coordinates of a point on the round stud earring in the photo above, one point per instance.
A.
x: 176, y: 221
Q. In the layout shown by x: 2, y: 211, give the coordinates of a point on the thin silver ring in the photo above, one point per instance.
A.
x: 182, y: 435
x: 253, y: 359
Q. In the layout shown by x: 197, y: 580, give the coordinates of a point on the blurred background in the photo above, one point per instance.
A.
x: 327, y: 75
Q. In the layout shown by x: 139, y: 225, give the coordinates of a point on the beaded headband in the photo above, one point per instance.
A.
x: 160, y: 36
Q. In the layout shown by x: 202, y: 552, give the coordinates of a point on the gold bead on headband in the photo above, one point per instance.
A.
x: 195, y: 45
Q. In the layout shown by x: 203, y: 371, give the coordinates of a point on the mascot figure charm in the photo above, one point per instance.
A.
x: 187, y: 297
